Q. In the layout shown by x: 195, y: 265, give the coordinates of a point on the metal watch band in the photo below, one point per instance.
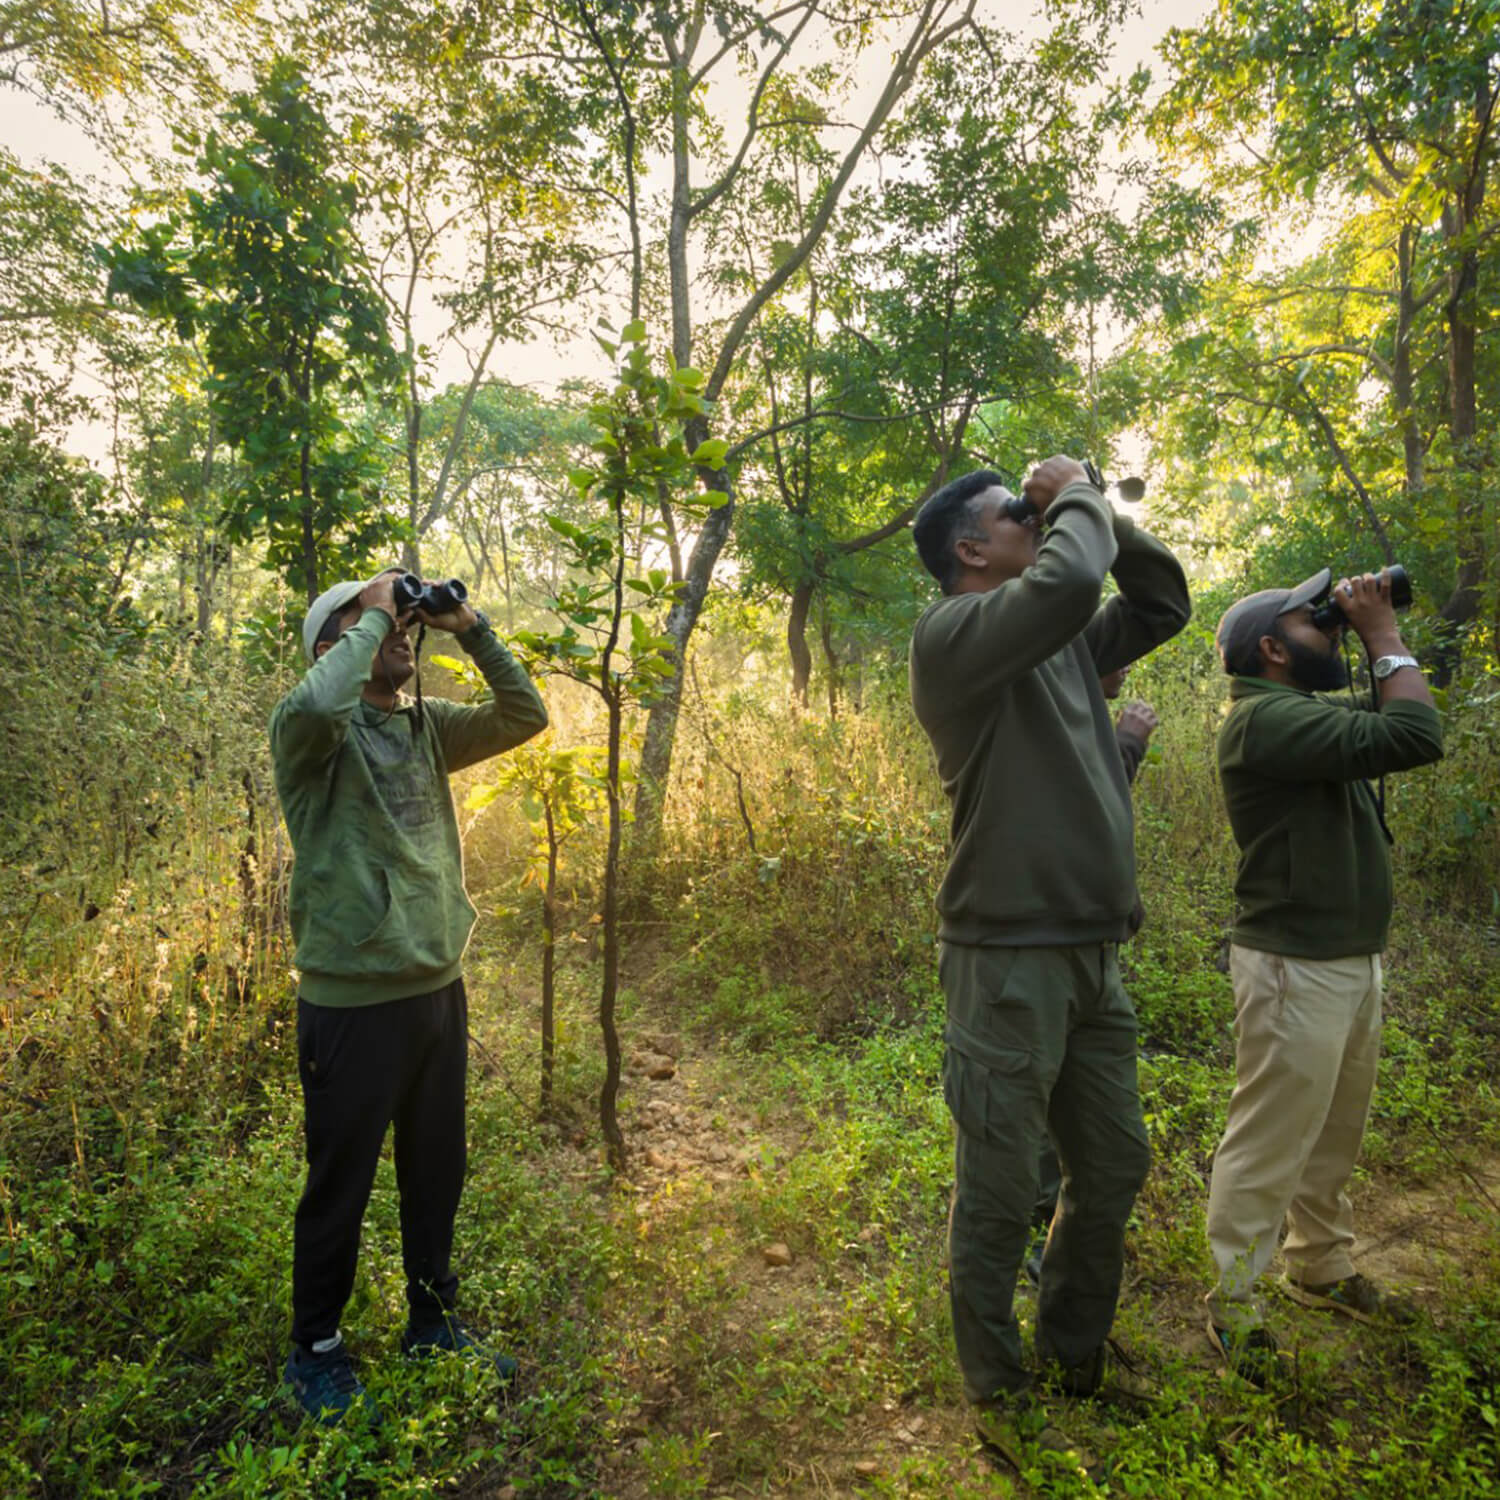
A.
x: 1388, y: 664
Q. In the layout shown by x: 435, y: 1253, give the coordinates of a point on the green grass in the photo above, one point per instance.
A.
x: 150, y: 1162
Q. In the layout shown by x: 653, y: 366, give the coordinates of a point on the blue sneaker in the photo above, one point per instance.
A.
x: 448, y: 1335
x: 326, y: 1387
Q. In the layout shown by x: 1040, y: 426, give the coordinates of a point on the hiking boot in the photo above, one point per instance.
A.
x: 448, y: 1335
x: 1018, y: 1431
x: 1107, y: 1375
x: 1249, y: 1353
x: 326, y: 1387
x: 1356, y: 1297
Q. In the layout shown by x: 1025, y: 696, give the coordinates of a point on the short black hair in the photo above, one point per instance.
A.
x: 946, y: 518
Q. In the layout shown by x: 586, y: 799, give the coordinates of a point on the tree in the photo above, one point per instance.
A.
x: 561, y: 790
x: 1393, y: 109
x: 477, y: 215
x: 968, y: 280
x: 264, y: 264
x: 655, y: 66
x: 639, y: 453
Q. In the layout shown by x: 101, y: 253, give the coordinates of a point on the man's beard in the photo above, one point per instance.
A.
x: 1316, y: 671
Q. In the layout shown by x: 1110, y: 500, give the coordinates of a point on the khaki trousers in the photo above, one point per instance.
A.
x: 1307, y: 1045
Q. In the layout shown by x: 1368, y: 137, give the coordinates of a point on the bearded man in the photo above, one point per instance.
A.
x: 1313, y: 898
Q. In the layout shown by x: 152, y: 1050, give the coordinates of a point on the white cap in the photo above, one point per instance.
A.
x: 328, y: 603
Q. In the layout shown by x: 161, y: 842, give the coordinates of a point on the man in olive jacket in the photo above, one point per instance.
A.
x: 1039, y: 891
x: 1313, y: 898
x: 381, y: 919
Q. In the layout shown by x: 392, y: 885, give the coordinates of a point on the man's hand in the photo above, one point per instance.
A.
x: 1138, y: 719
x: 380, y: 593
x: 454, y: 620
x: 1050, y: 478
x: 1366, y: 603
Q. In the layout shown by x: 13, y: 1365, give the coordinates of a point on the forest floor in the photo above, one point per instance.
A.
x: 698, y: 1139
x: 758, y: 1305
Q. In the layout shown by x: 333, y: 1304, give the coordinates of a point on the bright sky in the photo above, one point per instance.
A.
x: 35, y: 133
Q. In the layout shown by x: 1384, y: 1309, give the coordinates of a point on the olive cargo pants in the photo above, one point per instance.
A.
x: 1040, y: 1041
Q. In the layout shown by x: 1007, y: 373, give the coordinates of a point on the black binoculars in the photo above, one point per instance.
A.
x: 434, y: 598
x: 1329, y: 613
x: 1019, y: 508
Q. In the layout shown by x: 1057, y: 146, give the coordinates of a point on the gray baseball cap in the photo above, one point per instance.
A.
x: 1248, y: 619
x: 329, y: 602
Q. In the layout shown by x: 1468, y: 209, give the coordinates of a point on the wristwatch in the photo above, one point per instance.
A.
x: 1385, y: 665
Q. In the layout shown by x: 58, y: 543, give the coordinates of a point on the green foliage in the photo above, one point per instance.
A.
x: 264, y: 265
x: 1356, y: 374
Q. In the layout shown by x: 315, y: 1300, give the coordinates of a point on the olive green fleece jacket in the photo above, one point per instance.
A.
x: 1006, y: 684
x: 1314, y: 877
x: 378, y: 906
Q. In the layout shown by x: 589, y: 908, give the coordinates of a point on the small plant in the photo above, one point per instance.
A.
x: 559, y: 790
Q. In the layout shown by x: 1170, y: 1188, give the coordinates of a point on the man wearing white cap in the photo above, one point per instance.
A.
x: 381, y: 919
x: 1313, y: 906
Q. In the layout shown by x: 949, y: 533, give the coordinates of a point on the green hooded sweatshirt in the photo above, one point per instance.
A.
x: 1314, y: 878
x: 378, y: 906
x: 1006, y: 684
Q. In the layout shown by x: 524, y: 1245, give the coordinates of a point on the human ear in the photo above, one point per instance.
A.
x: 1273, y: 650
x: 966, y: 549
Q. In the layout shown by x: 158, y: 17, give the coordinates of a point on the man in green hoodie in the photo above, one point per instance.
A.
x: 381, y: 919
x: 1313, y: 906
x: 1040, y: 889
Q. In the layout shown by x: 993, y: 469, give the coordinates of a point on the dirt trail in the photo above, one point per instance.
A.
x: 1417, y: 1239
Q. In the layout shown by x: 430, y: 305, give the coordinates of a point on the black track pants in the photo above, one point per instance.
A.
x: 362, y: 1068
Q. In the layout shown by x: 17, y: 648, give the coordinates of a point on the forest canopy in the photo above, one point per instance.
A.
x: 656, y: 325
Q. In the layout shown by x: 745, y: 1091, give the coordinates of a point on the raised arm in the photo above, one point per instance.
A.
x: 1295, y: 737
x: 515, y: 713
x: 971, y: 644
x: 308, y: 725
x: 1151, y: 607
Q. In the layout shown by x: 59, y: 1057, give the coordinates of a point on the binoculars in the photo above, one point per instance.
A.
x: 434, y: 598
x: 1019, y: 508
x: 1328, y: 613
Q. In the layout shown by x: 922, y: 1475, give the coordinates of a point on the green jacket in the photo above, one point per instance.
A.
x: 1006, y: 684
x: 378, y: 906
x: 1314, y: 878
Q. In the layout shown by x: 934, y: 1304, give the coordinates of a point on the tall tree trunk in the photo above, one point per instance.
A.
x: 411, y: 559
x: 829, y: 657
x: 309, y: 536
x: 1463, y: 428
x: 1403, y: 383
x: 549, y: 960
x: 661, y: 722
x: 796, y: 639
x: 510, y: 608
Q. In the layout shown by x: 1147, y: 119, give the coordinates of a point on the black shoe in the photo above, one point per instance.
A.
x: 1355, y: 1297
x: 1107, y: 1375
x: 448, y: 1335
x: 326, y: 1387
x: 1250, y: 1353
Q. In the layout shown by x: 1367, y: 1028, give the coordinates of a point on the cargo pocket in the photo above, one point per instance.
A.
x: 987, y: 1086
